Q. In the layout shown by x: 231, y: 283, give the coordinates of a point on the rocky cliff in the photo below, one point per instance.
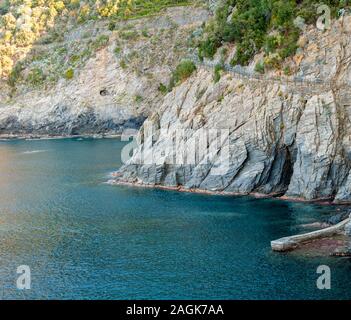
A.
x: 112, y: 79
x: 285, y: 139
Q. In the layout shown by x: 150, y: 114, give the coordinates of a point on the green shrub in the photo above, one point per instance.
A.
x: 15, y: 74
x: 145, y: 33
x: 183, y: 71
x: 117, y: 51
x: 271, y: 44
x: 36, y: 77
x: 217, y: 72
x: 123, y: 64
x: 208, y: 48
x: 111, y: 25
x: 289, y: 45
x: 244, y: 53
x: 138, y: 99
x: 259, y: 67
x: 162, y: 88
x: 69, y: 74
x: 283, y: 12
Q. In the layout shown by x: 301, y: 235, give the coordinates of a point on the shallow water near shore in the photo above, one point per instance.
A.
x: 84, y: 239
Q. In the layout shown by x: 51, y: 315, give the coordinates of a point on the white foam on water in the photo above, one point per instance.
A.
x: 33, y: 151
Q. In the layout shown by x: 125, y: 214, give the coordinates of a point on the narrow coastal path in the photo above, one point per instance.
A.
x: 293, y: 84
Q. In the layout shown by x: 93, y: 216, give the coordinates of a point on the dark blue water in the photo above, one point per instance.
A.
x: 85, y: 239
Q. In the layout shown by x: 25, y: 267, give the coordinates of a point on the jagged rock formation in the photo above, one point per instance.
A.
x: 282, y: 141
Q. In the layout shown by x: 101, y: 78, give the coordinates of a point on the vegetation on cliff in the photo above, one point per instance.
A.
x: 182, y: 72
x: 27, y: 24
x: 37, y: 46
x: 260, y: 25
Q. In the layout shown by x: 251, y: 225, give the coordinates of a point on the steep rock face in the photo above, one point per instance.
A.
x: 112, y: 91
x: 93, y: 102
x: 283, y: 139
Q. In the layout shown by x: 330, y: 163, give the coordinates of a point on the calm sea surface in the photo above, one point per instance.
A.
x: 85, y: 239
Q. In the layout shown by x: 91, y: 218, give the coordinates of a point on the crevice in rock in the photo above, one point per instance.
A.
x: 288, y: 170
x: 279, y: 174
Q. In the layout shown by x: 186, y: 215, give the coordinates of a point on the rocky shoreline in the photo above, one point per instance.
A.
x: 257, y: 195
x: 281, y: 141
x: 5, y: 137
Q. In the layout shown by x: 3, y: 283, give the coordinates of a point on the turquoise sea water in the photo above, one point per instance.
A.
x: 84, y: 239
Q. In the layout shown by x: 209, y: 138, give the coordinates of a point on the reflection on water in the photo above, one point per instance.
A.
x: 86, y: 239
